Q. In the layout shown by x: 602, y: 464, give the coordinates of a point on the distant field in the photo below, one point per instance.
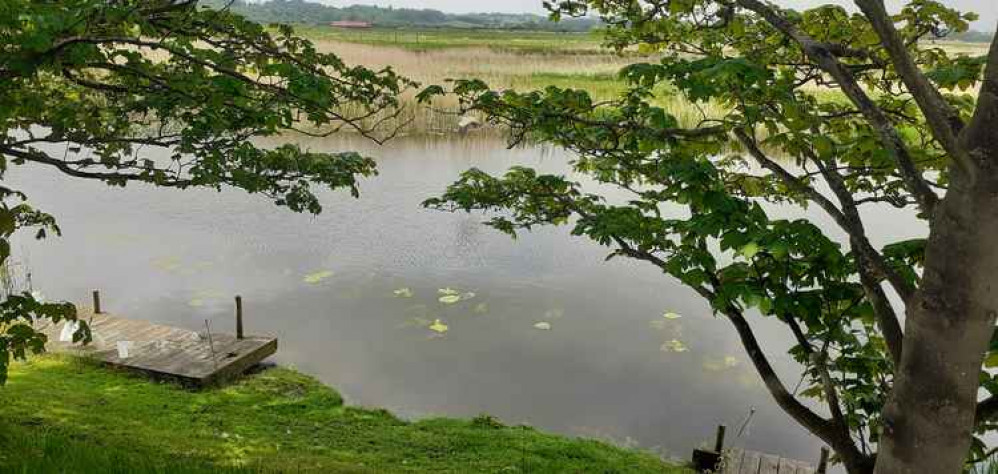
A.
x: 519, y: 60
x: 444, y: 38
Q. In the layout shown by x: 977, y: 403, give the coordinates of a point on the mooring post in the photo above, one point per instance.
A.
x: 719, y: 443
x: 823, y: 463
x: 97, y: 302
x: 239, y: 317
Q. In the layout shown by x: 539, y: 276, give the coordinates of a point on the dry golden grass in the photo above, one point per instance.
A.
x: 524, y: 71
x: 501, y: 69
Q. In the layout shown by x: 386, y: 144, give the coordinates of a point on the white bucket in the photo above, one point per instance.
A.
x: 68, y: 330
x: 123, y: 347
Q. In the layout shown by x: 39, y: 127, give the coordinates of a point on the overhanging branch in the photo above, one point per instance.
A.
x: 888, y: 134
x: 944, y: 121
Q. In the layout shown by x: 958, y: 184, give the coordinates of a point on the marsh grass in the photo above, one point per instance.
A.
x: 516, y: 60
x: 64, y: 415
x: 428, y: 39
x: 597, y: 74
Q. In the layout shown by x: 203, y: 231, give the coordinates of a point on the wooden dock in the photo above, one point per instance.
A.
x: 195, y: 359
x: 740, y: 461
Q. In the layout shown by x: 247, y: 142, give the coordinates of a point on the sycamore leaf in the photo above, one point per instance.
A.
x: 750, y: 250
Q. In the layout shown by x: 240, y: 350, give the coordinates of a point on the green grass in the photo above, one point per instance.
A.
x: 427, y: 39
x: 64, y: 415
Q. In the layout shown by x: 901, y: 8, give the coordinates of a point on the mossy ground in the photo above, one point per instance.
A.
x: 66, y: 415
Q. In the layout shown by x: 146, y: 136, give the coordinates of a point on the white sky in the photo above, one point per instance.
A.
x: 988, y: 9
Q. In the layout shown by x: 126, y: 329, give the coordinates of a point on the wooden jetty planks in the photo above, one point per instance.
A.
x: 165, y: 351
x: 770, y: 464
x: 740, y: 461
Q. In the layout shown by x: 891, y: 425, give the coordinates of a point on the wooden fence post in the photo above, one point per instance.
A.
x: 239, y: 317
x: 97, y: 309
x: 823, y: 463
x: 719, y: 443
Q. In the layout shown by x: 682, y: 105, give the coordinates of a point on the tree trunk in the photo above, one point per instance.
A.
x: 929, y: 419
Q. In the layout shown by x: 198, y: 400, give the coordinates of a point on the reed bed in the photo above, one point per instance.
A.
x: 502, y: 70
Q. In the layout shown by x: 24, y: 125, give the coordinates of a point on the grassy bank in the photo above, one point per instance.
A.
x: 64, y: 415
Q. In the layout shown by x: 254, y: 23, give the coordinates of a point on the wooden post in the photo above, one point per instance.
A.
x: 97, y: 309
x: 823, y: 463
x: 705, y: 460
x: 239, y: 317
x: 719, y: 443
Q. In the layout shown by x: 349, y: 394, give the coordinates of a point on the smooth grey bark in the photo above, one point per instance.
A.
x: 931, y: 414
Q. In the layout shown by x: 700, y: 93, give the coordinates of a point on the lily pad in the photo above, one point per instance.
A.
x: 317, y: 277
x: 712, y: 366
x: 166, y: 264
x: 403, y: 293
x: 415, y: 322
x: 450, y: 299
x: 439, y: 327
x: 448, y: 292
x: 674, y: 345
x: 672, y: 316
x: 543, y: 326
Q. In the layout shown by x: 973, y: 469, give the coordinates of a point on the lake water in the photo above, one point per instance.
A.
x: 326, y: 286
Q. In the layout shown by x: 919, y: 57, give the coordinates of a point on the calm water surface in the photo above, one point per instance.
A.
x: 600, y: 371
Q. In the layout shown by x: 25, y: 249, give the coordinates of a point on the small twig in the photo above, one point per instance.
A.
x: 211, y: 344
x: 745, y: 424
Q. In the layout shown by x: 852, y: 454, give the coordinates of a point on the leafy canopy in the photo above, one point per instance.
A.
x: 802, y: 109
x: 167, y: 93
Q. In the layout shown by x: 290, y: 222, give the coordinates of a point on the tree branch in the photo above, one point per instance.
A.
x: 943, y: 119
x: 979, y: 137
x: 847, y: 218
x: 987, y: 410
x: 889, y: 135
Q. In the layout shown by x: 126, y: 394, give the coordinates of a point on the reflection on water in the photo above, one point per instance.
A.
x: 423, y: 312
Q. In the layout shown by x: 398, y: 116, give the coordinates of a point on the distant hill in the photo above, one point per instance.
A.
x: 973, y: 37
x: 304, y: 12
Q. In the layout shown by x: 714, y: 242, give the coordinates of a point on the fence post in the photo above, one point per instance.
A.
x: 719, y: 443
x: 97, y: 309
x: 239, y: 317
x: 823, y: 463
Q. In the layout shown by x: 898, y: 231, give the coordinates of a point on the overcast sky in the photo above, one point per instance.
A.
x: 988, y: 9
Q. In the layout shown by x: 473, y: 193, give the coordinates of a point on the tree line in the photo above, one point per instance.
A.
x: 304, y: 12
